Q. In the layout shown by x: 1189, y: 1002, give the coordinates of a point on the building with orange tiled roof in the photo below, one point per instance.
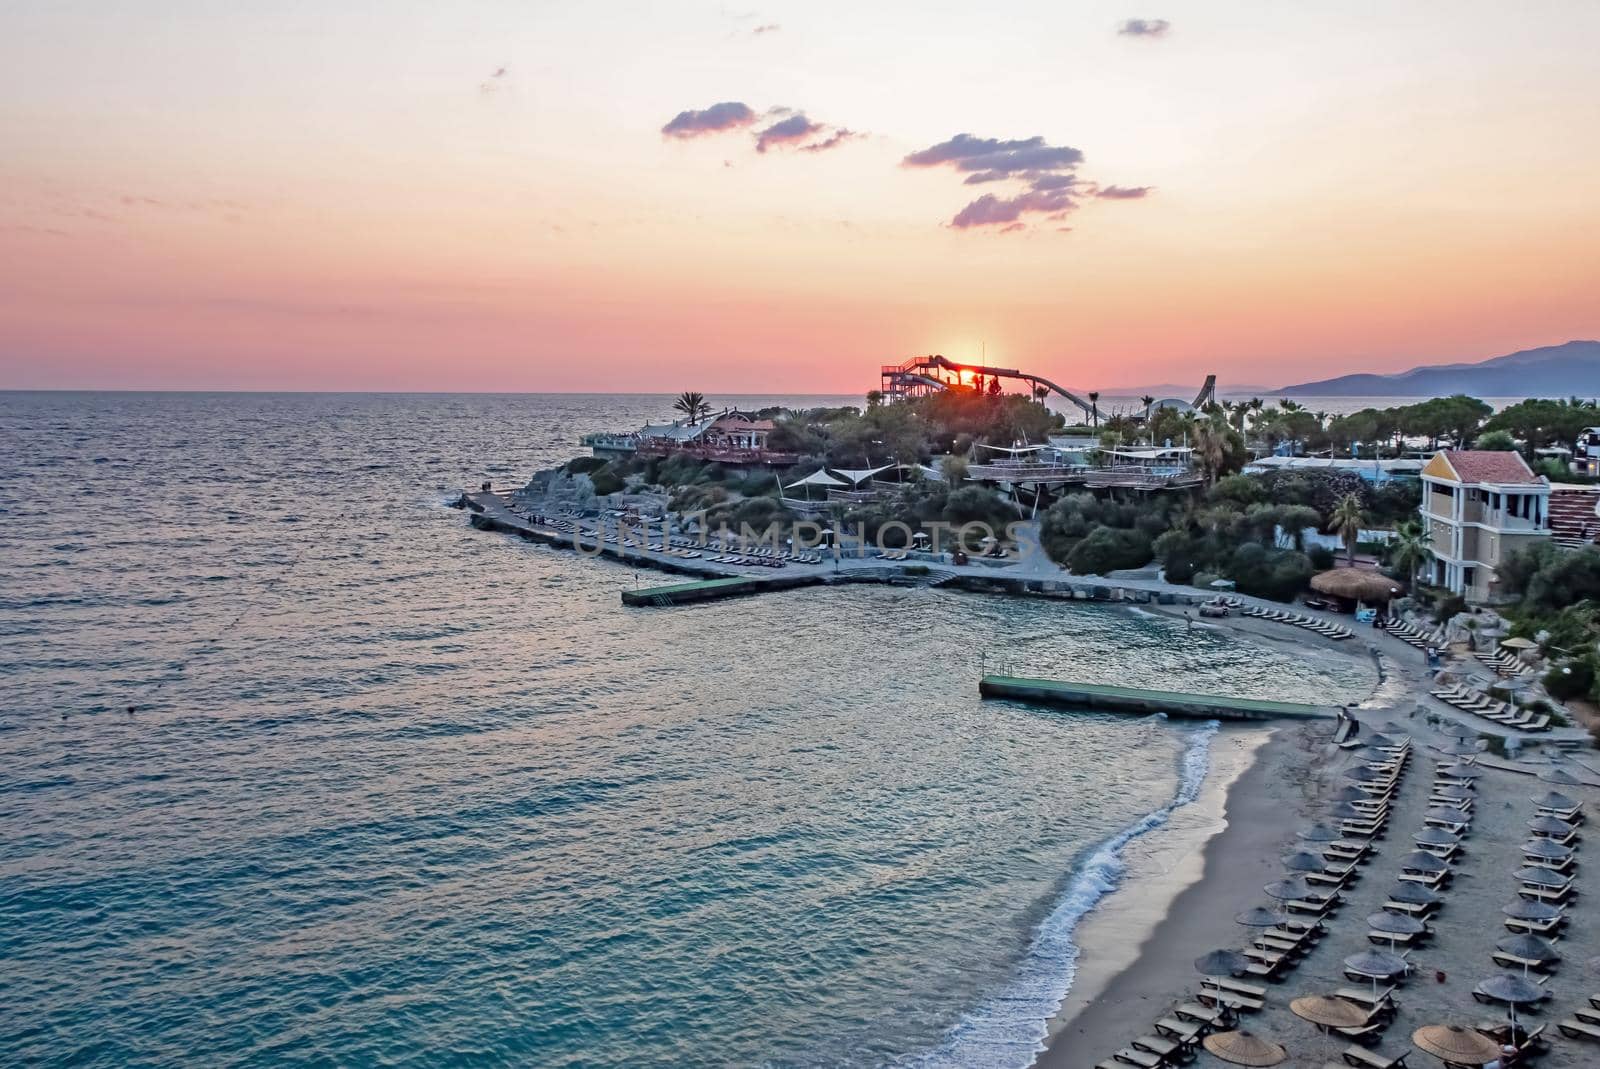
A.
x: 1479, y: 506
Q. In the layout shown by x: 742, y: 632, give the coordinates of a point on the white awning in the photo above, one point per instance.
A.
x: 859, y: 475
x: 1012, y: 449
x: 817, y: 478
x: 1150, y: 454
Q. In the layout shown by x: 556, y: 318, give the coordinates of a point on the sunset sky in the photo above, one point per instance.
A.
x: 513, y: 195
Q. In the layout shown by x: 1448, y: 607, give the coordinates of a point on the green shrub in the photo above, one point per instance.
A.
x: 1321, y: 558
x: 606, y: 480
x: 1574, y: 679
x: 1280, y: 574
x: 1108, y: 549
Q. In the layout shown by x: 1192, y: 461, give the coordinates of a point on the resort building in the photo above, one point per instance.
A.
x: 1479, y: 506
x: 1585, y: 459
x: 1373, y: 471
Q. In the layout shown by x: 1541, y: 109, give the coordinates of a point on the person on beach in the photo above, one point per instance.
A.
x: 1507, y: 1059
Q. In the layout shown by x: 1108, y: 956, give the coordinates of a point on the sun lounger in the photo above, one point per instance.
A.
x: 1347, y: 851
x: 1230, y: 999
x: 1511, y: 961
x: 1564, y: 866
x: 1141, y: 1058
x: 1569, y: 816
x: 1363, y: 996
x: 1281, y: 945
x: 1171, y: 1050
x: 1239, y: 986
x: 1536, y: 927
x: 1318, y: 909
x: 1362, y: 1058
x: 1209, y: 1016
x: 1555, y: 896
x: 1411, y: 909
x: 1182, y: 1031
x: 1431, y: 880
x: 1398, y: 941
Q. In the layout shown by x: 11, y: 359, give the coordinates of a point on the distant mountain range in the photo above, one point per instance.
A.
x: 1551, y: 371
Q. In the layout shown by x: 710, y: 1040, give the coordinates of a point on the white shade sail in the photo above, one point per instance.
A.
x: 820, y: 477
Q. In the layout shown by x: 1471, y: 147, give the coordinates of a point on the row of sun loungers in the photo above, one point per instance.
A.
x: 1505, y: 664
x: 1327, y: 867
x: 1322, y: 627
x: 1412, y: 634
x: 1584, y: 1022
x: 1481, y: 705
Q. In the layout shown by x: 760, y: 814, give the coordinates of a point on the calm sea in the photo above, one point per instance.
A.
x: 397, y: 792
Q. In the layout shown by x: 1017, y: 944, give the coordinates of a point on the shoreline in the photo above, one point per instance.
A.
x: 1136, y: 950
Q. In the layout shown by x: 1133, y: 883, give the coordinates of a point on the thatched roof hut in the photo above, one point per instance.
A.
x: 1354, y: 584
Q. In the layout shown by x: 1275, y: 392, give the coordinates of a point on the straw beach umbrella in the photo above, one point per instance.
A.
x: 1304, y: 861
x: 1221, y: 963
x: 1436, y: 837
x: 1554, y: 800
x: 1455, y: 1045
x: 1544, y: 848
x: 1521, y: 909
x: 1453, y: 794
x: 1346, y: 811
x: 1519, y: 644
x: 1375, y: 965
x: 1364, y: 774
x: 1530, y: 948
x: 1351, y: 793
x: 1560, y: 776
x: 1256, y: 917
x: 1394, y: 925
x: 1414, y: 894
x: 1550, y: 827
x: 1513, y: 990
x: 1352, y: 584
x: 1321, y: 833
x: 1539, y: 876
x: 1288, y: 889
x: 1244, y: 1048
x: 1328, y: 1012
x: 1459, y: 771
x: 1422, y: 861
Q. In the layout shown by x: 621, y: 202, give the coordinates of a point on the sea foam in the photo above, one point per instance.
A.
x: 1009, y: 1029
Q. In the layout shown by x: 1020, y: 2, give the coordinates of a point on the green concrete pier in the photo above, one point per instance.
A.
x: 1100, y: 697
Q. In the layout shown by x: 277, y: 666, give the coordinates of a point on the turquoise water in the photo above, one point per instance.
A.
x: 396, y: 792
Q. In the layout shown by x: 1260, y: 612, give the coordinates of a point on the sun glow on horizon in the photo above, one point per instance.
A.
x: 337, y: 199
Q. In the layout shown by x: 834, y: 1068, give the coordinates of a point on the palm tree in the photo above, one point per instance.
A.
x: 1410, y: 547
x: 1094, y: 406
x: 692, y: 405
x: 1147, y: 401
x: 1347, y: 520
x: 1210, y: 446
x: 1040, y: 393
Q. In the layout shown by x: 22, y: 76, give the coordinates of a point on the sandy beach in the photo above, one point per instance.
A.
x: 1181, y: 891
x: 1186, y: 882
